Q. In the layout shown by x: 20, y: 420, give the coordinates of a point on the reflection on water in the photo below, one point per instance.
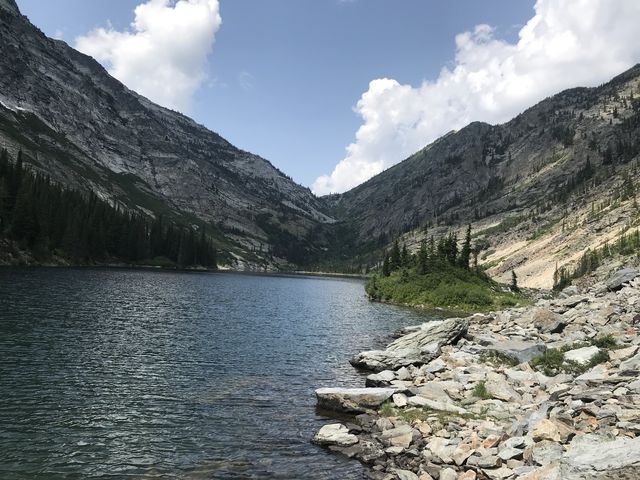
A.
x: 171, y: 375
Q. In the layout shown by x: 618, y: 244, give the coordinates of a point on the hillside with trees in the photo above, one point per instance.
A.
x: 55, y: 224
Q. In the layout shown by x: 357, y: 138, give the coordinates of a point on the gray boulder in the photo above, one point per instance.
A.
x: 631, y: 365
x: 416, y: 348
x: 352, y: 400
x: 381, y: 379
x: 518, y: 350
x: 406, y: 475
x: 618, y: 279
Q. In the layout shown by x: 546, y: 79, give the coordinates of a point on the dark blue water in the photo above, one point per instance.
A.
x: 136, y: 374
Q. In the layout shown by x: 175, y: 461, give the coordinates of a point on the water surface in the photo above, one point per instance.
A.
x: 144, y: 374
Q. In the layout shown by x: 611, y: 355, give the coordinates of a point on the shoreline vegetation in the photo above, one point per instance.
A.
x: 441, y: 275
x: 546, y: 391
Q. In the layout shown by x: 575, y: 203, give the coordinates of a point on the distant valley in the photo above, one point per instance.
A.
x: 538, y: 191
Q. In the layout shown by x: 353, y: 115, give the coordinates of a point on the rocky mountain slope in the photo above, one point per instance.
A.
x: 539, y: 190
x: 84, y: 128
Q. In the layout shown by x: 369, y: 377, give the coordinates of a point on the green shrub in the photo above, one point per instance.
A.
x: 387, y: 410
x: 480, y: 391
x: 605, y: 341
x: 601, y: 357
x: 550, y: 362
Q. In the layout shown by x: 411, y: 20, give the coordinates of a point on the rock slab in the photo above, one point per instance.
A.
x: 416, y: 348
x: 352, y: 400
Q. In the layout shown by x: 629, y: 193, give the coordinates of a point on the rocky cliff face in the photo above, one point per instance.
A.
x: 84, y: 128
x: 538, y: 190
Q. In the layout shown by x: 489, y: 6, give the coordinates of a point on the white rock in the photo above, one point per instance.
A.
x: 499, y: 388
x: 399, y: 400
x: 591, y: 454
x: 623, y: 353
x: 384, y: 377
x: 582, y: 355
x: 419, y: 401
x: 335, y: 434
x: 400, y: 436
x: 415, y: 348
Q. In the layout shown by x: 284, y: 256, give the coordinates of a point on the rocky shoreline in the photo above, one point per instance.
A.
x: 547, y: 392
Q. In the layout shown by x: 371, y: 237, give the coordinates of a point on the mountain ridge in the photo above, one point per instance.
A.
x: 519, y: 168
x: 88, y: 130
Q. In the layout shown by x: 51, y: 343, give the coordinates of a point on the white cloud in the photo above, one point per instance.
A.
x: 565, y: 44
x: 164, y: 54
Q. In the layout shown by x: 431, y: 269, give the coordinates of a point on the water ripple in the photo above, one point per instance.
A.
x: 156, y: 375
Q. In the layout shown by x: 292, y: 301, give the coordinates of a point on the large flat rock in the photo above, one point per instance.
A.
x: 352, y: 400
x: 416, y: 348
x: 596, y: 457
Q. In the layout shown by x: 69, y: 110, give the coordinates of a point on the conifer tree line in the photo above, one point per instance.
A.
x: 433, y: 255
x: 49, y: 219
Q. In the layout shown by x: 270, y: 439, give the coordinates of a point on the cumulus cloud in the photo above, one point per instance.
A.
x: 164, y: 54
x: 565, y: 44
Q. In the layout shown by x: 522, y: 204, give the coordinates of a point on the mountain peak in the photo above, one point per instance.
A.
x: 10, y: 5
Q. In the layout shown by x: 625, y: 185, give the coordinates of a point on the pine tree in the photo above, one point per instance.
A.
x: 4, y: 206
x: 395, y: 257
x: 514, y: 282
x: 24, y: 224
x: 47, y: 217
x: 465, y: 253
x: 404, y: 256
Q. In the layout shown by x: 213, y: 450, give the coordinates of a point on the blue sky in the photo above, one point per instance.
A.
x: 335, y: 91
x: 284, y: 75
